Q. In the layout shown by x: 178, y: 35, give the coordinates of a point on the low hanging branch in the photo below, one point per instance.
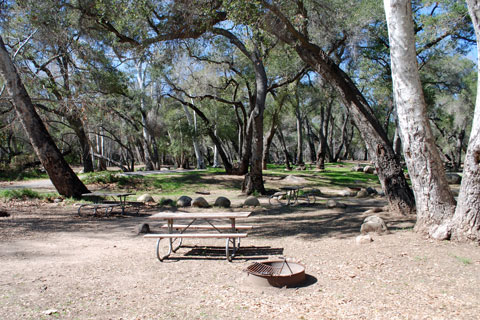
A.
x: 118, y: 164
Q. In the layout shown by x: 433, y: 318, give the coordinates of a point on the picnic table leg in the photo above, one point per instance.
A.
x: 158, y: 251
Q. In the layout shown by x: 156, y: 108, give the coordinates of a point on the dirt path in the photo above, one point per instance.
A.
x: 97, y: 268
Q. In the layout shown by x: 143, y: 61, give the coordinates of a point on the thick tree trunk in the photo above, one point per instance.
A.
x: 63, y: 178
x: 256, y: 174
x: 466, y: 221
x: 79, y: 130
x: 435, y: 202
x: 390, y: 173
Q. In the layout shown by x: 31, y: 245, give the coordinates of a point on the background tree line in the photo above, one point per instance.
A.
x: 235, y: 83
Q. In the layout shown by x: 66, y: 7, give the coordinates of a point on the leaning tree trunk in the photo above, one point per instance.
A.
x: 63, y: 178
x: 390, y: 173
x: 435, y: 202
x: 466, y: 221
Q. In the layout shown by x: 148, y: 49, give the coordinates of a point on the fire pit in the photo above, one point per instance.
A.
x: 277, y: 273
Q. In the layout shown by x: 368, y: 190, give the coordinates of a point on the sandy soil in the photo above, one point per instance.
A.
x: 56, y: 265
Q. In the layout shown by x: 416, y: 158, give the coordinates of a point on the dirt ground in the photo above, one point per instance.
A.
x: 56, y: 265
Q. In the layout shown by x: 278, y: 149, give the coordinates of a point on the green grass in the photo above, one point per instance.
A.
x: 19, y: 175
x: 335, y: 174
x: 24, y: 194
x: 463, y: 260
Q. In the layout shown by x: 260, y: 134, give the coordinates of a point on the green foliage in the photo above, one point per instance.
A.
x: 11, y: 174
x: 20, y: 194
x: 106, y: 177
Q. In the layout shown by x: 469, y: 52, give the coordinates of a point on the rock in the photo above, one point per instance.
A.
x: 363, y: 193
x: 371, y: 190
x: 251, y: 201
x: 4, y: 214
x: 357, y: 169
x: 222, y: 202
x: 294, y: 179
x: 453, y: 178
x: 145, y: 198
x: 373, y: 224
x: 200, y: 202
x: 347, y: 193
x: 362, y: 239
x: 142, y: 228
x: 57, y: 200
x: 50, y: 312
x: 167, y: 202
x: 334, y: 204
x: 184, y: 201
x: 369, y: 169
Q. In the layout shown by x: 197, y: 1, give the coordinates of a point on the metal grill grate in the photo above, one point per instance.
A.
x: 262, y: 269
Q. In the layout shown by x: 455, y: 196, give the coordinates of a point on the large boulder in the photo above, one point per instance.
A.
x: 334, y: 204
x: 369, y: 169
x: 200, y: 202
x: 453, y: 178
x: 184, y: 201
x: 373, y: 224
x: 357, y: 169
x: 222, y: 202
x: 251, y: 201
x: 145, y: 198
x: 363, y: 193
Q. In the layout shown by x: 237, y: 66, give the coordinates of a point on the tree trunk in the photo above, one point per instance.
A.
x: 390, y: 173
x: 435, y: 202
x: 63, y: 178
x: 271, y: 133
x: 79, y: 129
x: 466, y: 221
x: 196, y: 145
x: 256, y: 174
x: 285, y: 150
x: 310, y: 141
x: 298, y: 117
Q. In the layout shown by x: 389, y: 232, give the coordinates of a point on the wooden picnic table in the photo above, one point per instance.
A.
x: 122, y: 197
x: 292, y: 193
x: 213, y: 222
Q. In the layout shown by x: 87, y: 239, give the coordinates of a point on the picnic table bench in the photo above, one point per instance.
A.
x: 101, y: 202
x: 176, y: 232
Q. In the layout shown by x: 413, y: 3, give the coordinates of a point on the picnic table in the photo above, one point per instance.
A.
x: 290, y: 194
x: 213, y: 220
x: 119, y: 200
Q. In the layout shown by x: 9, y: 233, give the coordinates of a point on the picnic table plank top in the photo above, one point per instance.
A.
x: 199, y: 215
x: 107, y: 194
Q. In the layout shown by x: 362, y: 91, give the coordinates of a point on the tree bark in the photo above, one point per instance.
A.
x: 62, y: 176
x: 271, y: 133
x: 465, y: 223
x: 390, y: 173
x: 434, y: 199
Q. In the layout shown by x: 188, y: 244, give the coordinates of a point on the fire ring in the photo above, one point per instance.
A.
x: 278, y: 273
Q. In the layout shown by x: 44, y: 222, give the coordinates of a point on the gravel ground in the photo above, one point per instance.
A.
x: 55, y: 265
